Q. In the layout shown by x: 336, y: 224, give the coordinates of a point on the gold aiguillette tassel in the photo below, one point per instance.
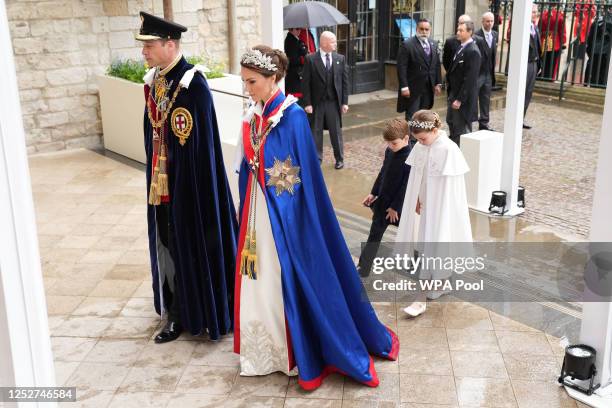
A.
x: 162, y: 179
x: 244, y: 256
x: 154, y: 197
x: 252, y: 264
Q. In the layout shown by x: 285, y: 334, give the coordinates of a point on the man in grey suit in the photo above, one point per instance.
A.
x: 325, y: 92
x: 486, y: 39
x: 462, y: 79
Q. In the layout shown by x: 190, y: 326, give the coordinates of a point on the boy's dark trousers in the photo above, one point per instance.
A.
x: 377, y: 230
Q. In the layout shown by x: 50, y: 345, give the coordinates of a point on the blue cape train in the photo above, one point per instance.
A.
x: 331, y: 324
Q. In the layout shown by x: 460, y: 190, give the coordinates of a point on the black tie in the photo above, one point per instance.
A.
x: 327, y: 62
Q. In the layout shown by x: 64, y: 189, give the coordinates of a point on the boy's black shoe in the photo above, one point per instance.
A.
x: 170, y: 332
x: 364, y: 273
x: 339, y: 165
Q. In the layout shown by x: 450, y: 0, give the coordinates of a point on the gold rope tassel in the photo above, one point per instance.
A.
x: 248, y: 256
x: 162, y: 179
x: 154, y: 197
x: 162, y: 183
x: 244, y: 259
x: 252, y: 260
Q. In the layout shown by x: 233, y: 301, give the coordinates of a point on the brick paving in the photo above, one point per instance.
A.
x: 558, y: 161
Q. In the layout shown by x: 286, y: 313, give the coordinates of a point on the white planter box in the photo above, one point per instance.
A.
x: 122, y: 104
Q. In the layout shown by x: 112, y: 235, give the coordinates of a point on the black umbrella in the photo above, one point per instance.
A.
x: 312, y: 14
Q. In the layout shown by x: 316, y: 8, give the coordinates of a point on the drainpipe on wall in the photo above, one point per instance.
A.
x: 232, y: 33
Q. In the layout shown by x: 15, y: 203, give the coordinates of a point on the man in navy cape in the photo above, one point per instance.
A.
x: 191, y: 216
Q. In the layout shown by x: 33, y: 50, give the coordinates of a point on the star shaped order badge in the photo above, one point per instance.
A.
x: 283, y: 176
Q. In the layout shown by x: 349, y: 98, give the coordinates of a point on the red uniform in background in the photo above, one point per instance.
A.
x: 308, y: 39
x: 553, y: 37
x: 584, y: 15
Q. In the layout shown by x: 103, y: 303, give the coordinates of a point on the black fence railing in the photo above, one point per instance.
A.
x: 576, y: 37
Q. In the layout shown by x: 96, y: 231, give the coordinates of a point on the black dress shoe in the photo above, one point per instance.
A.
x: 496, y: 88
x: 339, y: 165
x: 489, y: 128
x: 170, y: 332
x: 364, y: 273
x: 526, y: 126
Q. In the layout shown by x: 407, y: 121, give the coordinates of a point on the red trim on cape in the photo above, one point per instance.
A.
x: 315, y: 383
x: 290, y: 355
x: 395, y: 346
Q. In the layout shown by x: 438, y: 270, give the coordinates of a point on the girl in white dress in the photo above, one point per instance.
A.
x: 435, y: 205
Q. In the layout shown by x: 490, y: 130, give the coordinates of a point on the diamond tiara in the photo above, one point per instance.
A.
x: 422, y: 125
x: 258, y: 59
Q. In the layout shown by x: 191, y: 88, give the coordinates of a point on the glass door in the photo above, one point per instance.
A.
x: 364, y: 46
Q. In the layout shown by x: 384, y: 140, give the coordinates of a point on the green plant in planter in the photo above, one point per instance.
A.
x: 134, y: 71
x: 216, y: 68
x: 128, y: 69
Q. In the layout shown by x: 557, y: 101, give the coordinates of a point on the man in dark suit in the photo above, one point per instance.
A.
x: 418, y: 70
x: 486, y: 39
x: 534, y: 62
x: 296, y: 51
x: 326, y: 88
x: 463, y: 84
x: 452, y: 44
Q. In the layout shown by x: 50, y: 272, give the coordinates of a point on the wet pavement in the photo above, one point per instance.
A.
x: 95, y: 264
x: 558, y: 160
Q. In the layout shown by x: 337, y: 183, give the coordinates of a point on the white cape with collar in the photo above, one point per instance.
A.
x: 444, y: 211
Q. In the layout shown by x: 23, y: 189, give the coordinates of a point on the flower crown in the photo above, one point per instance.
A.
x: 258, y: 59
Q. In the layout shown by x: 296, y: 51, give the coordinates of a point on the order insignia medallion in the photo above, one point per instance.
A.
x: 182, y: 123
x: 283, y: 176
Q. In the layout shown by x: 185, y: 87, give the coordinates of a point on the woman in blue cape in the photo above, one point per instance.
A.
x: 299, y: 301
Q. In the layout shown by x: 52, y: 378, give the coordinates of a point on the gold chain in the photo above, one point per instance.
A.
x: 160, y: 123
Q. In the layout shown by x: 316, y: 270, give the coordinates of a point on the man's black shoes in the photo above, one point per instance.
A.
x: 526, y: 126
x: 170, y: 332
x: 339, y: 165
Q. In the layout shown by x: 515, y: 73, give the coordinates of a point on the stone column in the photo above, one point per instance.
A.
x: 596, y: 328
x: 25, y: 347
x: 515, y: 101
x: 272, y: 23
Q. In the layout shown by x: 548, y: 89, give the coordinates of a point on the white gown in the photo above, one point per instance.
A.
x: 264, y: 343
x: 437, y: 180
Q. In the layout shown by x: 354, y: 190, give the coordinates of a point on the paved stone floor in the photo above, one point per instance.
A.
x: 92, y: 233
x: 558, y: 162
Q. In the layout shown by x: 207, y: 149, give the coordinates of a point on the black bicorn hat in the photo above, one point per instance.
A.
x: 156, y: 28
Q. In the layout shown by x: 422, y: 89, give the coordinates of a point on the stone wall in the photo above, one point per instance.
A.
x: 60, y: 46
